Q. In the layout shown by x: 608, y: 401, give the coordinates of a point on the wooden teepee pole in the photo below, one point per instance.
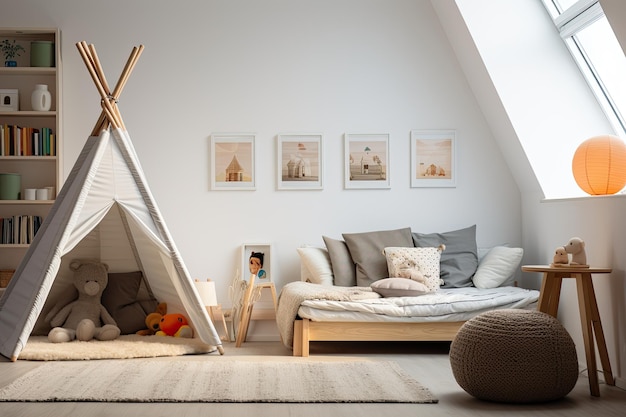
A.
x: 110, y: 112
x: 97, y: 77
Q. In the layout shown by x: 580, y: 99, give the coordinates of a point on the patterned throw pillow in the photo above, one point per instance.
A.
x: 419, y: 264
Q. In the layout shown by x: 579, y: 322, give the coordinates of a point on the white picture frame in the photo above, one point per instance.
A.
x: 233, y: 161
x: 433, y: 158
x: 366, y: 163
x: 246, y: 251
x: 299, y: 159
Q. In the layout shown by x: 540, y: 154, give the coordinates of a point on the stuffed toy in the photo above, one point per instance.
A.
x: 414, y: 263
x: 561, y: 258
x: 174, y: 325
x: 576, y: 247
x: 411, y: 270
x: 85, y: 318
x: 153, y: 320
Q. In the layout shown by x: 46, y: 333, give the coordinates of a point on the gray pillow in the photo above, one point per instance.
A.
x: 366, y: 250
x: 460, y: 258
x: 341, y: 262
x: 120, y: 298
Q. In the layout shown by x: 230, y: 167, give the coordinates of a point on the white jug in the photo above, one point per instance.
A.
x: 41, y: 100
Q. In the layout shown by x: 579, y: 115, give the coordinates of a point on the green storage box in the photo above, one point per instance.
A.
x: 10, y: 186
x: 42, y: 54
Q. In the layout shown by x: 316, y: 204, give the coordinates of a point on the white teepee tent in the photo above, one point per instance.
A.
x: 105, y: 210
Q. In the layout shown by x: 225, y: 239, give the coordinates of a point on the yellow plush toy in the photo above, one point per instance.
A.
x: 153, y: 320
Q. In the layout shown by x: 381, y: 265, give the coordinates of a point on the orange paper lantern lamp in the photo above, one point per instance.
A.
x: 599, y: 165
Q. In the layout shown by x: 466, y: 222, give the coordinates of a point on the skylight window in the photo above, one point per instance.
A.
x: 591, y: 40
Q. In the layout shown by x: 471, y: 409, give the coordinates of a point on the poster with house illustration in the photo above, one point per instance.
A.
x: 232, y: 162
x: 299, y: 162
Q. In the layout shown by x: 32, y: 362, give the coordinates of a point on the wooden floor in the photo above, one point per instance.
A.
x: 426, y: 362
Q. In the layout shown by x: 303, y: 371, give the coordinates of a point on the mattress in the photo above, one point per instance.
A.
x: 454, y: 304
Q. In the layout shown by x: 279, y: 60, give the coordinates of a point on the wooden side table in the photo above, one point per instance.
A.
x: 589, y: 315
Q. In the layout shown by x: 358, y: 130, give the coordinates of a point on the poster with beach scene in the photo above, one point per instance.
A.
x: 433, y: 158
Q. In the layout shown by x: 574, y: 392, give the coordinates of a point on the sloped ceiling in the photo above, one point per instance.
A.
x: 615, y: 11
x: 486, y: 94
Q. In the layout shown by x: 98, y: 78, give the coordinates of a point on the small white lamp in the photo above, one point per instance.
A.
x: 206, y: 290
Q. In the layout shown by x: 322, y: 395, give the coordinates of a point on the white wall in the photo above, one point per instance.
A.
x: 330, y: 66
x: 504, y: 96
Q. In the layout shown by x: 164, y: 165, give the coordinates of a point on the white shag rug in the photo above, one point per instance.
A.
x: 214, y: 379
x: 39, y: 348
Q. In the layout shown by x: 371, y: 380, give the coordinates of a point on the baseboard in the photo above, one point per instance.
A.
x: 620, y: 383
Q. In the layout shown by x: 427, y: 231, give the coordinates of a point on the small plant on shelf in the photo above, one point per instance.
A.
x: 11, y: 50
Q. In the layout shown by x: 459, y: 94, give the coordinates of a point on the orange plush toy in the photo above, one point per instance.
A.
x: 174, y: 325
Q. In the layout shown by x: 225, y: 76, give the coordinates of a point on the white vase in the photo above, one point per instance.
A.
x: 41, y: 100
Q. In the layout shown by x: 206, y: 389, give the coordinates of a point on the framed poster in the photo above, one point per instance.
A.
x: 299, y: 158
x: 366, y: 161
x: 433, y: 158
x: 232, y: 161
x: 256, y: 258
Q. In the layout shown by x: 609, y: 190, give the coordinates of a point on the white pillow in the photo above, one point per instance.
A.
x: 497, y: 267
x: 316, y: 261
x: 399, y: 287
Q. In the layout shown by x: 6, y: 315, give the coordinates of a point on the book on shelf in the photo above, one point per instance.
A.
x: 19, y: 229
x: 26, y: 141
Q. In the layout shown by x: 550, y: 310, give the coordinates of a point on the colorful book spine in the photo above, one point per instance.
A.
x: 26, y: 141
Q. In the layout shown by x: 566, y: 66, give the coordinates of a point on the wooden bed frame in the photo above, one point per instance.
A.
x: 305, y: 331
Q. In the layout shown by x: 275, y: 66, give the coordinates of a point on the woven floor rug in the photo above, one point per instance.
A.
x: 39, y: 348
x: 217, y: 379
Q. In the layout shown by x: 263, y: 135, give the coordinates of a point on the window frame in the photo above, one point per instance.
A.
x: 569, y: 23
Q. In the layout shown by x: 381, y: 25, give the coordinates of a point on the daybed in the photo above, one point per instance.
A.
x: 346, y: 293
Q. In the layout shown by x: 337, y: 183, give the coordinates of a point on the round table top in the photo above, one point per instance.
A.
x: 567, y: 268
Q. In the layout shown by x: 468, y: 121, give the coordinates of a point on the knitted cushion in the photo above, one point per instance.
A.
x: 514, y: 356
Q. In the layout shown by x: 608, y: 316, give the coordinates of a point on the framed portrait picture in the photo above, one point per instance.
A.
x: 232, y: 161
x: 366, y: 160
x: 300, y: 160
x: 256, y: 258
x: 433, y: 158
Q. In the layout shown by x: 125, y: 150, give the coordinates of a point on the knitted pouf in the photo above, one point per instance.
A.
x: 514, y: 356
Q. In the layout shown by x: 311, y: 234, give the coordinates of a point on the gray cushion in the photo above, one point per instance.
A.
x: 120, y: 298
x: 340, y: 260
x: 366, y: 250
x: 460, y: 258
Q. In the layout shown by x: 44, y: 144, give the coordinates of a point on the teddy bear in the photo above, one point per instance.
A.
x: 153, y: 320
x: 561, y: 258
x: 576, y: 247
x: 84, y: 318
x: 410, y: 270
x: 174, y: 324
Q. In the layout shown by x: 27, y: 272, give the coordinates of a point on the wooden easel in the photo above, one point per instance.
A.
x: 249, y: 299
x: 216, y: 314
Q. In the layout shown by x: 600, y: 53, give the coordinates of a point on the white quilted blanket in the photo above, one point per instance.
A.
x: 455, y: 304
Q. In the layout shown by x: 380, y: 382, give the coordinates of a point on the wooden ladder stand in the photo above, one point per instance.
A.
x: 253, y: 292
